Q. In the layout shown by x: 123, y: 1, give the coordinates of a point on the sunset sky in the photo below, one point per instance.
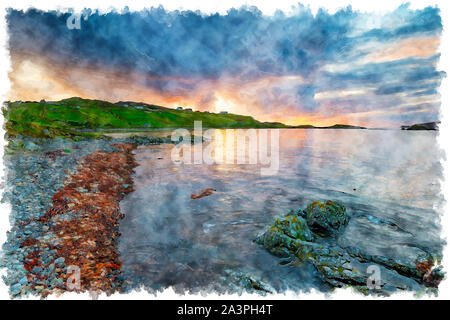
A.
x: 351, y: 67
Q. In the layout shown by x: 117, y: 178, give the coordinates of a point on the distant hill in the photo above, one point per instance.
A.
x: 304, y: 126
x: 336, y: 126
x: 342, y: 126
x: 422, y: 126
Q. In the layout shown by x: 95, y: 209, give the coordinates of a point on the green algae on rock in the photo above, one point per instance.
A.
x: 304, y: 234
x: 294, y: 227
x: 325, y: 218
x: 248, y: 282
x: 278, y: 238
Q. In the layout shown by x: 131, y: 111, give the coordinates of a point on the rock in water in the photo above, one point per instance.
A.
x: 325, y: 218
x: 293, y: 227
x: 204, y: 193
x: 302, y: 236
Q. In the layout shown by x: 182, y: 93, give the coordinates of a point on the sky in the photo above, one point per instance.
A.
x: 349, y: 67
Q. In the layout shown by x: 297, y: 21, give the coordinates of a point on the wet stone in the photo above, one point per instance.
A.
x: 345, y: 266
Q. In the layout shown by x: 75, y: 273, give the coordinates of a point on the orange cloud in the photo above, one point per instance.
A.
x: 422, y: 47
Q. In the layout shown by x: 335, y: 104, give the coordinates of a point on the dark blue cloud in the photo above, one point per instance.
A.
x: 306, y: 95
x: 423, y: 73
x: 188, y: 43
x: 427, y: 21
x: 410, y: 74
x: 405, y: 86
x: 428, y: 92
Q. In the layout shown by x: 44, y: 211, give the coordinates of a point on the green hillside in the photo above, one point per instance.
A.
x: 80, y: 117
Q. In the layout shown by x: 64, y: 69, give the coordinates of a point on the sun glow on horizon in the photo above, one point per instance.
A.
x: 222, y: 104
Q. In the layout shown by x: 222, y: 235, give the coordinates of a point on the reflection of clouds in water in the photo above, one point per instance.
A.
x: 391, y: 165
x: 170, y: 239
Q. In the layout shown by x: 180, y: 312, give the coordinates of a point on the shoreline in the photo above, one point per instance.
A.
x: 65, y: 214
x: 85, y: 217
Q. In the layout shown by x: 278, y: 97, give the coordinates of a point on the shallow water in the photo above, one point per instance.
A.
x: 388, y: 180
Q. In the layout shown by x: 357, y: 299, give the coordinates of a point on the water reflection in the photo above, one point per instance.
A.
x: 169, y: 239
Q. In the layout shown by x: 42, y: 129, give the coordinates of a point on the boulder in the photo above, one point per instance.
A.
x: 325, y: 219
x: 278, y: 238
x: 302, y: 236
x: 294, y: 227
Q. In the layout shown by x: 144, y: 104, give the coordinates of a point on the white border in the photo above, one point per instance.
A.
x: 267, y: 7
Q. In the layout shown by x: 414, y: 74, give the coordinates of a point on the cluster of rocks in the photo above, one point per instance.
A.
x: 85, y: 218
x: 35, y: 170
x: 144, y: 140
x: 149, y: 140
x: 241, y: 281
x: 310, y: 236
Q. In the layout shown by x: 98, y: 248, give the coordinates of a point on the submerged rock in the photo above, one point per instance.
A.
x: 305, y: 236
x: 148, y: 140
x: 249, y: 282
x: 204, y: 193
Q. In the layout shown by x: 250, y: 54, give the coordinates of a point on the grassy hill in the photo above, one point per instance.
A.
x: 80, y: 117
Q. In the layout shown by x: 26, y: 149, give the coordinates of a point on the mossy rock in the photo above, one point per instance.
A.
x: 299, y: 237
x: 326, y: 218
x: 281, y: 238
x: 294, y: 227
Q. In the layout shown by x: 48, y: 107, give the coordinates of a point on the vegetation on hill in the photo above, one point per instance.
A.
x: 75, y: 117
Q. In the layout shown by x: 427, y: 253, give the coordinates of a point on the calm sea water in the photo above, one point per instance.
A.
x: 388, y: 180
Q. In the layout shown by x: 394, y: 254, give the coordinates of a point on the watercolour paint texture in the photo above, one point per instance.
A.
x: 224, y: 153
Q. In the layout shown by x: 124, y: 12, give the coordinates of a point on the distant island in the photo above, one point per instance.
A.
x: 422, y: 126
x: 78, y: 117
